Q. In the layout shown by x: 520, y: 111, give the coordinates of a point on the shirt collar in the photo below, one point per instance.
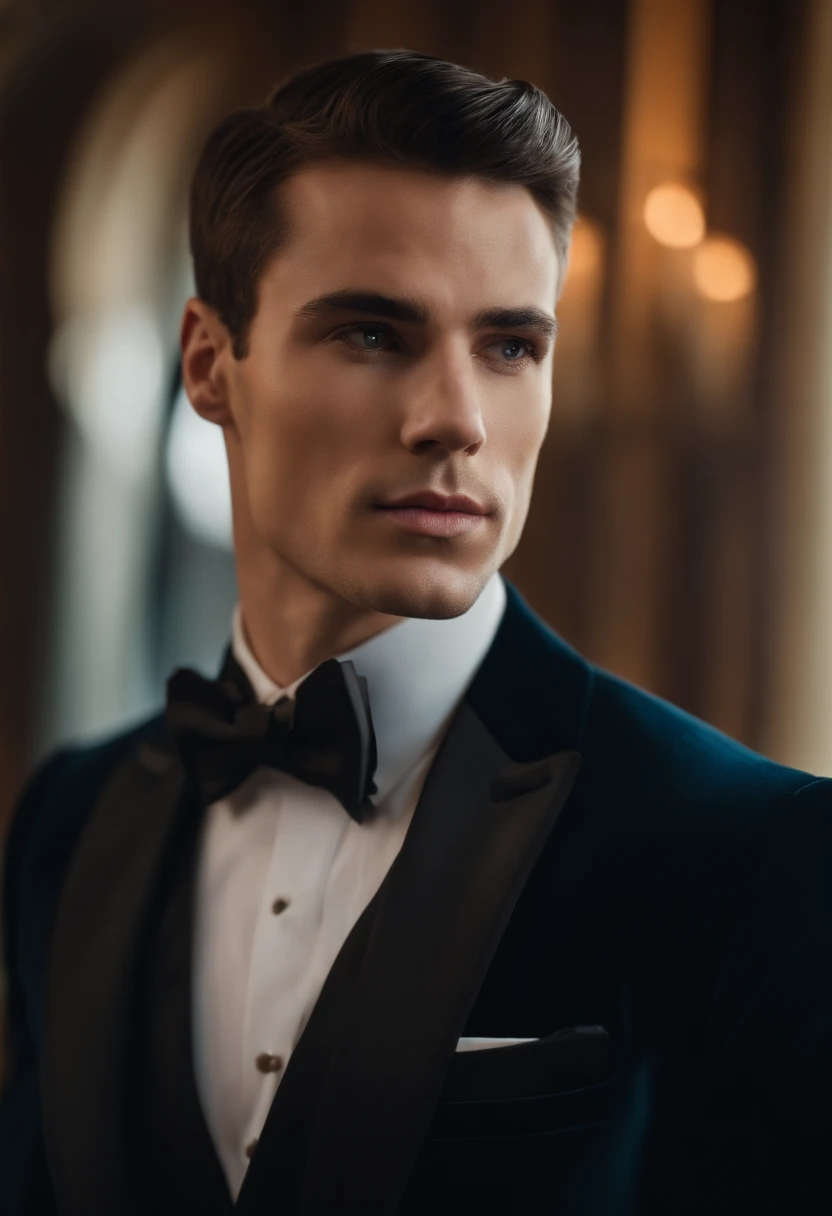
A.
x: 417, y: 673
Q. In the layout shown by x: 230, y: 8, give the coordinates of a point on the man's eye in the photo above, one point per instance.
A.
x: 373, y: 335
x: 509, y: 348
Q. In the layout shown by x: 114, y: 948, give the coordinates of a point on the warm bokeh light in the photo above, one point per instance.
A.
x: 587, y: 250
x: 673, y: 216
x: 723, y: 269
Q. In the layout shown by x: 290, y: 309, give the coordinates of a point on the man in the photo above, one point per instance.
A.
x: 410, y: 909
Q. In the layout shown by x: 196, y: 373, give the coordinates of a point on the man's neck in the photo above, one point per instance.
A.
x: 291, y: 630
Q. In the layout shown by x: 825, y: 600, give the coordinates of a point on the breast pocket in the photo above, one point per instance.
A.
x: 563, y: 1080
x: 512, y: 1125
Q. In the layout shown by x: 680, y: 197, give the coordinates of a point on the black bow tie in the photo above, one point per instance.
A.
x: 324, y: 737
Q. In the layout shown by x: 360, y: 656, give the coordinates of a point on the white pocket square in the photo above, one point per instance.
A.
x: 476, y: 1044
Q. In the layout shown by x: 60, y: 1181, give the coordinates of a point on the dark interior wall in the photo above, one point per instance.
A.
x: 48, y: 85
x: 586, y: 78
x: 719, y: 571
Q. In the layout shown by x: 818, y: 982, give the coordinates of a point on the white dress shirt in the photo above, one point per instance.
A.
x: 284, y: 871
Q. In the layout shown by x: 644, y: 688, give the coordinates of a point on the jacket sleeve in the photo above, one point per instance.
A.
x: 25, y: 1186
x: 784, y: 1044
x: 754, y: 1132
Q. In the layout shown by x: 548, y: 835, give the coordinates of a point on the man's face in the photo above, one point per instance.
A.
x: 339, y: 410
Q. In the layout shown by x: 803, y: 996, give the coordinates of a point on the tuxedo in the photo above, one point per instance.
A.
x: 283, y: 870
x: 587, y: 867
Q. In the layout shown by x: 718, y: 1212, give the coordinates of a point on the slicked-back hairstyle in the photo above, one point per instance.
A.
x: 396, y: 107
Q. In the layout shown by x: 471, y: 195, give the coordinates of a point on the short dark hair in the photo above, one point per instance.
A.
x: 397, y: 107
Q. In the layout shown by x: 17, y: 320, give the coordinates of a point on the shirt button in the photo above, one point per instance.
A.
x: 250, y: 1148
x: 280, y: 905
x: 266, y: 1062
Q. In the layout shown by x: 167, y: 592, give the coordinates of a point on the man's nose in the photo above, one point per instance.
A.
x: 445, y: 410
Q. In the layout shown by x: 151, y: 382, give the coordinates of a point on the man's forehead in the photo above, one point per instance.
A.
x: 374, y: 176
x: 413, y: 239
x: 405, y: 209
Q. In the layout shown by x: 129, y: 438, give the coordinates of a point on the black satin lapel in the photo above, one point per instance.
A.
x: 174, y: 1153
x: 98, y: 932
x: 352, y: 1111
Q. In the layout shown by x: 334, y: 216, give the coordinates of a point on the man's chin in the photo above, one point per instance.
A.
x: 436, y: 594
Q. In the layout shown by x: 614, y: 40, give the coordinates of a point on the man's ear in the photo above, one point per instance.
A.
x: 206, y: 349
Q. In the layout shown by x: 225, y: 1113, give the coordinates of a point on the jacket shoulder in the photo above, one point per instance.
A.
x: 52, y: 806
x: 46, y: 824
x: 665, y: 755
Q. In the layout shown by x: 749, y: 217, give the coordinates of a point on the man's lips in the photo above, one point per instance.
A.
x: 433, y: 523
x: 433, y: 501
x: 429, y: 514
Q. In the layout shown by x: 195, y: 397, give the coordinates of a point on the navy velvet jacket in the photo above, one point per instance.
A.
x: 587, y: 866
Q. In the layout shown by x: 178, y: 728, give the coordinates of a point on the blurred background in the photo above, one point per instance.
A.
x: 681, y: 532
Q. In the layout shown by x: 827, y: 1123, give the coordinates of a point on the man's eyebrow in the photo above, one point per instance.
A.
x: 403, y: 308
x: 532, y: 318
